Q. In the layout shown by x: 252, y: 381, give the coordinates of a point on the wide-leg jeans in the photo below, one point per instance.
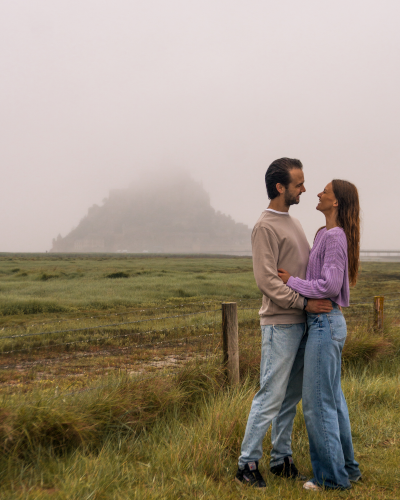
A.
x: 281, y: 379
x: 324, y: 405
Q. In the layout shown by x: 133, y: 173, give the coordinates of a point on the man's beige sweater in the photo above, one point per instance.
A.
x: 278, y: 240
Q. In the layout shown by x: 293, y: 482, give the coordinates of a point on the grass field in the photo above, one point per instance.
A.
x: 133, y: 411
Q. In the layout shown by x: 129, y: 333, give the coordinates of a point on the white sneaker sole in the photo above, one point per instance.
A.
x: 311, y: 486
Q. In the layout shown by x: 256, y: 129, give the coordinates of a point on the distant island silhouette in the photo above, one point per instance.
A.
x: 168, y: 215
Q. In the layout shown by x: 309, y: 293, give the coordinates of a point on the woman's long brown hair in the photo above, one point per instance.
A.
x: 348, y: 218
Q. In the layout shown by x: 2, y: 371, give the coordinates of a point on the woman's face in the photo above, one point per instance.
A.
x: 327, y: 199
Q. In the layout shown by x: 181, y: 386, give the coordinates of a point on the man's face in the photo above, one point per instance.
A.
x: 295, y: 188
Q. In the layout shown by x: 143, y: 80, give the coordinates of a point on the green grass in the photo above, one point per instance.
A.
x: 99, y: 420
x: 65, y: 285
x: 35, y: 284
x: 77, y: 292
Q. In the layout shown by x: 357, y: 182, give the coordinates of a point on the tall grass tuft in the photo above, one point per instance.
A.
x: 364, y: 344
x: 124, y: 405
x: 249, y: 362
x: 33, y: 306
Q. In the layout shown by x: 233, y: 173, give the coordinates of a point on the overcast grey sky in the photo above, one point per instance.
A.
x: 92, y: 92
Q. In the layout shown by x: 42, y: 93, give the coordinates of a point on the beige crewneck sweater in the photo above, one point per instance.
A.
x: 278, y: 240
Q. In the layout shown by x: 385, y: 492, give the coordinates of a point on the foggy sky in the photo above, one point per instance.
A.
x: 93, y: 92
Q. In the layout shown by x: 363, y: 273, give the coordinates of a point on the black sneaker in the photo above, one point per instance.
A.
x: 250, y: 475
x: 287, y: 470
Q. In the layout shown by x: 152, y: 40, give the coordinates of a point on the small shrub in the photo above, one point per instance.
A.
x: 46, y: 277
x: 120, y: 274
x: 15, y: 270
x: 181, y: 293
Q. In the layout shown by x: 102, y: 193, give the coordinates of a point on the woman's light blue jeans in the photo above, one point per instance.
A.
x: 281, y: 380
x: 324, y: 406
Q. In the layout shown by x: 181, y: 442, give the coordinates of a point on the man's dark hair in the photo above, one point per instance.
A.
x: 279, y: 172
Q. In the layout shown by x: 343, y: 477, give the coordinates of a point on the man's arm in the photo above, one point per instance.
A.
x: 314, y: 306
x: 265, y: 259
x: 318, y: 306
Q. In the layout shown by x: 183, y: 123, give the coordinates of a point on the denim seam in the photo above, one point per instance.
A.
x: 326, y: 439
x: 268, y: 364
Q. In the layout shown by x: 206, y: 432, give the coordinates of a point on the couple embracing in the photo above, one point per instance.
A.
x: 303, y: 331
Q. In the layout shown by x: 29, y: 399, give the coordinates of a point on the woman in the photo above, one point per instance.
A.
x: 333, y: 262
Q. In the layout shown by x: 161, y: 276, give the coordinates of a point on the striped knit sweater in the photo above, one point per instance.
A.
x: 327, y: 270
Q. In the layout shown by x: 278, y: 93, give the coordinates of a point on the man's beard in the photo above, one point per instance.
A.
x: 291, y: 199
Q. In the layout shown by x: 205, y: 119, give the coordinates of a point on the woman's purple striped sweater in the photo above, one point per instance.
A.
x: 327, y: 274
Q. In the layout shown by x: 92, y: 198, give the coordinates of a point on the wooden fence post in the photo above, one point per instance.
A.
x: 378, y: 312
x: 230, y: 339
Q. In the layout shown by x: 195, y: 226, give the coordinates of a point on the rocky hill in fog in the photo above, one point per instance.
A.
x: 172, y: 216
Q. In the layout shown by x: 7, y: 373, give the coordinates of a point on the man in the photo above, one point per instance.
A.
x: 278, y: 240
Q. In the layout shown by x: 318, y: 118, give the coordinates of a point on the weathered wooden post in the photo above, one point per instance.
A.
x: 378, y: 312
x: 230, y: 341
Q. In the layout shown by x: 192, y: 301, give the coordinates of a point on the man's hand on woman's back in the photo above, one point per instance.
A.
x: 318, y: 306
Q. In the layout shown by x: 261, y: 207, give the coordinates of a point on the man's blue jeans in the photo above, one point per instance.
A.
x: 281, y: 379
x: 324, y: 406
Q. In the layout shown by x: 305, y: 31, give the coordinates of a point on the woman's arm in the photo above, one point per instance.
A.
x: 328, y: 286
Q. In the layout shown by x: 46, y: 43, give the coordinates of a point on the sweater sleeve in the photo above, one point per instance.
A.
x: 265, y: 267
x: 332, y: 272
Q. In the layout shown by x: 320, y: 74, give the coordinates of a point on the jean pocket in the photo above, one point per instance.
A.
x: 338, y: 327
